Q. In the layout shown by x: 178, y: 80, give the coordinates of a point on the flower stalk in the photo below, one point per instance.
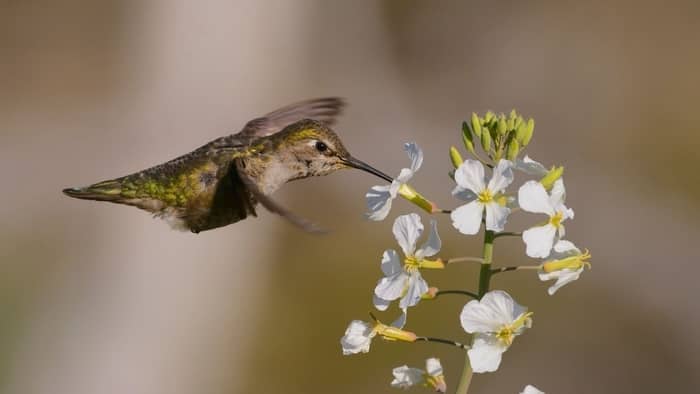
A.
x: 485, y: 273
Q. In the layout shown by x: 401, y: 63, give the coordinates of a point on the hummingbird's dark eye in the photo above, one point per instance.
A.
x: 321, y: 146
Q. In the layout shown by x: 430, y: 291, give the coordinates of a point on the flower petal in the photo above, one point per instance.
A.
x: 463, y: 194
x: 417, y: 286
x: 558, y: 194
x: 357, y: 338
x: 470, y: 175
x: 495, y: 309
x: 563, y: 277
x: 401, y: 320
x: 467, y: 218
x: 380, y: 303
x: 391, y: 287
x: 562, y: 249
x: 391, y: 264
x: 415, y: 154
x: 530, y: 389
x: 405, y: 377
x: 502, y: 176
x: 532, y: 197
x: 407, y: 229
x: 432, y: 244
x: 530, y: 167
x: 379, y: 200
x: 496, y: 216
x: 404, y: 176
x: 433, y: 366
x: 485, y: 354
x: 539, y: 240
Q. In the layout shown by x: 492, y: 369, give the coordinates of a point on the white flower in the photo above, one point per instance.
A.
x: 530, y: 389
x: 472, y: 187
x: 565, y: 264
x: 432, y: 376
x: 379, y: 198
x: 359, y: 334
x: 404, y: 280
x: 530, y: 167
x: 495, y: 321
x: 532, y: 197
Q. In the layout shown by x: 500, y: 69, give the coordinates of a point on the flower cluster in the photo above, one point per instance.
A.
x: 492, y: 318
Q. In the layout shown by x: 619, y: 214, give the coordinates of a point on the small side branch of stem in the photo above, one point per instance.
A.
x: 463, y: 292
x: 516, y: 268
x: 465, y: 260
x: 508, y: 234
x: 445, y: 341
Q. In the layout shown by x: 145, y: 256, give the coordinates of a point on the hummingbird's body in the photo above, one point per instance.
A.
x: 221, y: 182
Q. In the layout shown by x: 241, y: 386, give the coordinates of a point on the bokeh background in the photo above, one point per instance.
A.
x: 100, y: 298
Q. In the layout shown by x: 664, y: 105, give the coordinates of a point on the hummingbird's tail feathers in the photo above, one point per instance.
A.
x: 104, y: 191
x: 324, y: 110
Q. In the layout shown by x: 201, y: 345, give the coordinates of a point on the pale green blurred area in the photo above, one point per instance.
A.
x: 98, y: 298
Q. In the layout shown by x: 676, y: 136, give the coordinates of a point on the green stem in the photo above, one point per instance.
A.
x: 485, y: 271
x: 484, y: 281
x: 466, y: 378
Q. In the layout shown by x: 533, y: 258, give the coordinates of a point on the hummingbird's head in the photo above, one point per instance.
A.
x: 315, y: 147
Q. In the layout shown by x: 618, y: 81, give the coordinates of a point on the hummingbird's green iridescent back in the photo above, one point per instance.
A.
x: 203, y: 189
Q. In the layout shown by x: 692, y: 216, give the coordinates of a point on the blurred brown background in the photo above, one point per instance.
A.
x: 98, y: 298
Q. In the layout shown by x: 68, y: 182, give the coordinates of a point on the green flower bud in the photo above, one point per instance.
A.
x: 476, y: 125
x: 518, y: 122
x: 511, y: 120
x: 467, y: 137
x: 513, y: 150
x: 455, y: 157
x: 502, y: 126
x: 548, y: 180
x: 488, y: 117
x: 486, y: 141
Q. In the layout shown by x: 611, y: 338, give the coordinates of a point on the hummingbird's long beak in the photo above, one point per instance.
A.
x: 361, y: 165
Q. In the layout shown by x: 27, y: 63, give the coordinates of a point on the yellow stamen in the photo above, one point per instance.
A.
x: 556, y: 219
x: 507, y: 332
x: 485, y: 196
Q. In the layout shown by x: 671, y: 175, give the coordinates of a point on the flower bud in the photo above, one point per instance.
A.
x: 488, y: 117
x: 476, y: 125
x: 467, y: 137
x: 455, y: 157
x: 486, y: 141
x: 513, y: 150
x: 548, y: 180
x: 526, y: 134
x: 502, y: 126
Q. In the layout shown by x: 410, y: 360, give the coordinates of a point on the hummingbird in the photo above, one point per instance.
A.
x: 221, y: 182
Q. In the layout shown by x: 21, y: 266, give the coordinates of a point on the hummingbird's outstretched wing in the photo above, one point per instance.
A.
x: 274, y: 207
x: 323, y: 110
